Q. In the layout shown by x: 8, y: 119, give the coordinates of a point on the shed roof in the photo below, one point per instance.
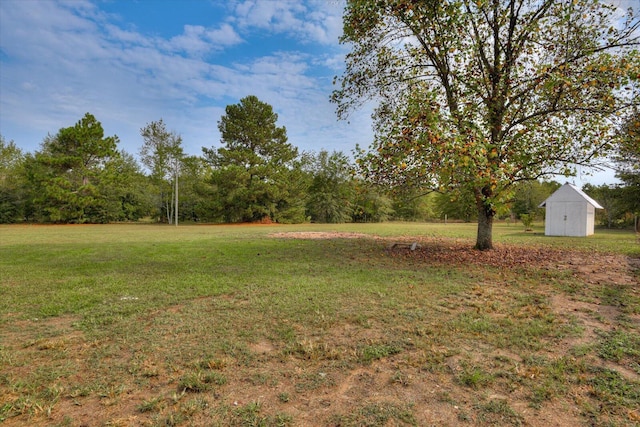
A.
x: 572, y: 187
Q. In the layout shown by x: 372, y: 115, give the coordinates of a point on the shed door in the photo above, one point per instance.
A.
x: 573, y: 219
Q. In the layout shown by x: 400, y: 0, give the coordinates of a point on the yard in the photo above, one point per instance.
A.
x: 317, y: 325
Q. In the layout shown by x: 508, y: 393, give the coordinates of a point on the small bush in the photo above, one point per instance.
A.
x: 527, y: 221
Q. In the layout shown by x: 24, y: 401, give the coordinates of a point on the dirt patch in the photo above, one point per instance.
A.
x: 262, y: 347
x: 320, y: 235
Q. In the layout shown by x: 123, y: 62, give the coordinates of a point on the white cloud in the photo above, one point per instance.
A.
x: 198, y: 40
x: 318, y: 21
x: 226, y: 35
x: 118, y: 34
x: 191, y: 41
x: 39, y: 28
x: 278, y: 16
x: 61, y: 60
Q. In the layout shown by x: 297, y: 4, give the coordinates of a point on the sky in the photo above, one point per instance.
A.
x: 132, y: 62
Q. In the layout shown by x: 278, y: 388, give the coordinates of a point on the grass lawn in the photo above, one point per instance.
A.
x: 327, y: 325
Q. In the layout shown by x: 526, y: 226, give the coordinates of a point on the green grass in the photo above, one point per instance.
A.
x: 123, y: 269
x: 228, y: 325
x: 378, y: 414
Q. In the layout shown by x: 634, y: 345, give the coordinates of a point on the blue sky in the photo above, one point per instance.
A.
x: 132, y: 62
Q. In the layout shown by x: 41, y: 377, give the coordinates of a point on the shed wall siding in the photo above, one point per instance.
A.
x: 570, y: 212
x: 565, y: 219
x: 591, y: 219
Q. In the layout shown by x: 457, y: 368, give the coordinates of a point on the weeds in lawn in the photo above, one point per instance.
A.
x: 617, y: 397
x: 252, y: 415
x: 474, y: 377
x: 618, y: 345
x: 378, y: 414
x: 200, y: 381
x: 152, y: 405
x: 312, y: 381
x: 284, y: 397
x: 401, y: 378
x: 498, y: 412
x: 374, y: 351
x: 249, y: 415
x: 316, y: 351
x: 552, y: 378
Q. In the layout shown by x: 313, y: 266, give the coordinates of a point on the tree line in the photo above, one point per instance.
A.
x: 79, y: 175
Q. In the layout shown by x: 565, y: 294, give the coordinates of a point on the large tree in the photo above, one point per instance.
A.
x: 162, y: 154
x: 65, y: 172
x: 12, y: 185
x: 194, y: 190
x: 255, y: 170
x: 126, y: 191
x: 628, y: 164
x: 331, y: 191
x: 610, y: 197
x: 475, y: 95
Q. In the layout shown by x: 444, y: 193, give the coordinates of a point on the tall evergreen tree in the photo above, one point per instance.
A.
x: 254, y: 171
x: 66, y: 170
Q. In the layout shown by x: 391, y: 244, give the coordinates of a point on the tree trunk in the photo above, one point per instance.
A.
x: 176, y: 191
x: 169, y: 208
x: 484, y: 239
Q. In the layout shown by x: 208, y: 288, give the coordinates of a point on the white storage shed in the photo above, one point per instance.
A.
x: 569, y: 212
